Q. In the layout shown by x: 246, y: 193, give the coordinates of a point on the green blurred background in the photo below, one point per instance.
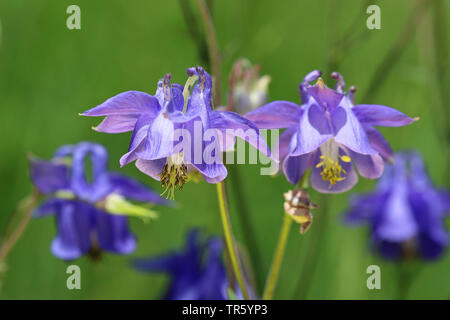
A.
x: 49, y: 73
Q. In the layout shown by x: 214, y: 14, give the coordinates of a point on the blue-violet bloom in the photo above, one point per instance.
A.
x: 405, y: 212
x: 175, y: 131
x: 329, y: 134
x: 88, y: 211
x: 197, y: 272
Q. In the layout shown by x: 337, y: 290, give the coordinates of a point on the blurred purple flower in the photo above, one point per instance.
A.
x: 79, y: 205
x: 405, y: 212
x: 329, y: 134
x: 157, y: 120
x: 197, y: 271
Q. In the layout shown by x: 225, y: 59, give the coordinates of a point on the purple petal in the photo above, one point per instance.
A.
x: 152, y: 168
x: 48, y: 177
x: 99, y: 186
x: 379, y: 143
x: 160, y: 139
x: 137, y: 139
x: 232, y: 123
x: 389, y: 249
x: 213, y: 173
x: 429, y: 248
x: 126, y: 103
x: 117, y: 124
x: 323, y: 186
x: 276, y: 115
x: 133, y: 189
x: 307, y: 138
x: 369, y: 166
x: 284, y: 142
x: 352, y: 133
x: 397, y: 222
x: 74, y: 223
x: 377, y: 115
x: 364, y: 208
x: 295, y: 166
x: 113, y: 233
x: 48, y: 207
x: 64, y: 151
x: 326, y: 98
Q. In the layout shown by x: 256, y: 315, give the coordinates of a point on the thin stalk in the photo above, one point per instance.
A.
x: 312, y: 255
x: 244, y: 218
x: 231, y: 248
x: 397, y: 49
x: 275, y: 267
x: 11, y: 240
x: 192, y: 28
x: 274, y: 272
x: 214, y: 56
x: 441, y: 66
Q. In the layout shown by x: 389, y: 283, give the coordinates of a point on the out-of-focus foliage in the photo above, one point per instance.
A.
x: 49, y: 73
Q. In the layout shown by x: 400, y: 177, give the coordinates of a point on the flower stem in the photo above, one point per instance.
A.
x: 213, y: 49
x: 231, y: 247
x: 11, y: 240
x: 274, y: 272
x: 278, y: 258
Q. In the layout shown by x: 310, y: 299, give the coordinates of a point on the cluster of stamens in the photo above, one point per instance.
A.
x: 173, y: 176
x: 331, y: 169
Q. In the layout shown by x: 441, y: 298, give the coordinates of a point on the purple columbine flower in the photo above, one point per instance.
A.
x: 82, y: 207
x: 170, y: 130
x: 405, y: 212
x: 329, y: 134
x: 197, y: 271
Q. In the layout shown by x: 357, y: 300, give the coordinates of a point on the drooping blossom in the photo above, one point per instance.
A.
x: 247, y: 90
x: 405, y: 212
x: 87, y: 207
x: 329, y: 134
x: 197, y: 272
x: 176, y: 132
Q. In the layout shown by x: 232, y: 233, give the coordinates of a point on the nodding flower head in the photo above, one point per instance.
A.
x: 90, y: 209
x: 197, y: 271
x: 329, y: 134
x: 175, y: 132
x: 247, y: 90
x: 405, y: 212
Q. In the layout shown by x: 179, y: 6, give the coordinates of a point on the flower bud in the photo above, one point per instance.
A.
x: 298, y: 205
x: 248, y: 90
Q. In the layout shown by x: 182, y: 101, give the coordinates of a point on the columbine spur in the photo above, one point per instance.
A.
x: 89, y: 215
x: 329, y: 134
x: 405, y: 212
x: 197, y: 271
x: 159, y: 149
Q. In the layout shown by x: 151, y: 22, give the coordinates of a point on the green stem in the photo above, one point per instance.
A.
x: 213, y: 48
x: 214, y: 58
x: 231, y: 247
x: 11, y: 240
x: 274, y: 272
x: 313, y: 250
x: 244, y: 219
x: 397, y: 49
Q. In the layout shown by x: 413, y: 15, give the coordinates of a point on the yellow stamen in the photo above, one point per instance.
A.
x: 174, y: 175
x: 331, y: 168
x: 320, y: 83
